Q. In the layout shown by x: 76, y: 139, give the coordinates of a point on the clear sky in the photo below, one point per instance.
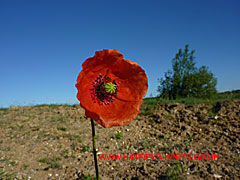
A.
x: 43, y: 43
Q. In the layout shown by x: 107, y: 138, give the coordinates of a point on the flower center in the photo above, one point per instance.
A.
x: 104, y: 90
x: 109, y: 88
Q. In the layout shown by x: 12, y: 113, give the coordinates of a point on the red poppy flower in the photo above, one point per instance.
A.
x: 111, y: 88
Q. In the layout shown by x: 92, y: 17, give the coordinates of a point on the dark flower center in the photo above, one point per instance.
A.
x: 104, y: 90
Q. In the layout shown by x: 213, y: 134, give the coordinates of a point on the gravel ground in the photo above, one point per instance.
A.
x: 54, y: 142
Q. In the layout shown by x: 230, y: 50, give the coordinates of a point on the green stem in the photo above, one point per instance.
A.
x: 94, y: 148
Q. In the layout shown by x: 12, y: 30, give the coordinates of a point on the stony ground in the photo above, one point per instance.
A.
x: 54, y: 142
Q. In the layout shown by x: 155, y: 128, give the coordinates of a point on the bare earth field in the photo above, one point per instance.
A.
x: 54, y: 142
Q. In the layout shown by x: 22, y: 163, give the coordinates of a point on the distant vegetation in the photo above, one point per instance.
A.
x: 187, y: 84
x: 149, y: 103
x: 186, y: 80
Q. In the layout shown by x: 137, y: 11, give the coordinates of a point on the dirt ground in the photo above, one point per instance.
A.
x: 54, y: 142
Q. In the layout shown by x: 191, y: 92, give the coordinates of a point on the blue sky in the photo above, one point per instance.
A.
x: 43, y: 43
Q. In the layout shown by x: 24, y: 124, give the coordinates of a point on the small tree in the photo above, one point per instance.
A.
x: 185, y: 79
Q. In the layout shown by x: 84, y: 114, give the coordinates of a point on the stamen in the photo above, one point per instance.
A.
x: 104, y: 90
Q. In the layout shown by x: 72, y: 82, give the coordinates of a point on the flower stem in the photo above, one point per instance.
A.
x: 94, y: 149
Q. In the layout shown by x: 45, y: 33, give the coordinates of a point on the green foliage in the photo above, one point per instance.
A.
x: 147, y: 106
x: 88, y: 177
x: 85, y: 148
x: 175, y: 171
x: 118, y: 135
x: 211, y: 113
x: 149, y: 103
x: 51, y: 162
x: 186, y: 80
x: 13, y: 163
x: 64, y: 153
x: 61, y: 128
x: 58, y: 119
x: 25, y: 166
x: 6, y: 175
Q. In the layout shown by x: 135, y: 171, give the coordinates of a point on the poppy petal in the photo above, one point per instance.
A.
x: 118, y: 113
x: 102, y: 59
